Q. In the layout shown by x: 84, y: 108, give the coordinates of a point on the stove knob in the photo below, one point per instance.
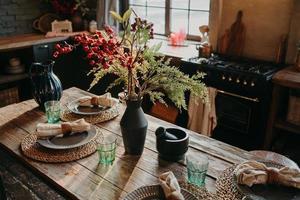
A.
x: 245, y: 83
x: 229, y: 79
x: 223, y: 77
x: 252, y: 84
x: 237, y: 80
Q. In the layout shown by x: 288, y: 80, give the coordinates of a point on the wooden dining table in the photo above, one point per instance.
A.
x: 86, y: 178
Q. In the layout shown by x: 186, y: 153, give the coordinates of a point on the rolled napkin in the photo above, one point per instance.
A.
x: 47, y: 130
x: 253, y: 172
x: 103, y: 100
x: 170, y: 186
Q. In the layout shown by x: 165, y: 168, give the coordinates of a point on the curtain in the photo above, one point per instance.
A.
x: 103, y: 16
x: 202, y: 117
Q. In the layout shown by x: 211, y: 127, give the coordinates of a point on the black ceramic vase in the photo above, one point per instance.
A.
x: 134, y: 128
x: 45, y: 85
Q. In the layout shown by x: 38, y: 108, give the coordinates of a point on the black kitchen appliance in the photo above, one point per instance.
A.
x: 244, y: 92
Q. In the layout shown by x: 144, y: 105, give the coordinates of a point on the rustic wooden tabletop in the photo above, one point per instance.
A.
x: 86, y: 179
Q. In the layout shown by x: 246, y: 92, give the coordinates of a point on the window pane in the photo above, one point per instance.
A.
x: 180, y: 4
x: 179, y: 20
x: 197, y: 18
x: 159, y: 3
x: 138, y: 2
x: 157, y: 17
x: 140, y: 11
x: 200, y: 4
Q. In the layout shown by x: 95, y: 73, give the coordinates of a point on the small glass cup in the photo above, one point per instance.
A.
x: 107, y: 149
x: 52, y: 109
x: 197, y: 166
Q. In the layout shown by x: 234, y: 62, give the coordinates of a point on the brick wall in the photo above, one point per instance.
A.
x: 16, y: 16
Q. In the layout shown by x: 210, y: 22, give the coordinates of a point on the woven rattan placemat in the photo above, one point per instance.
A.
x: 106, y: 115
x: 31, y: 149
x: 200, y: 192
x: 225, y: 188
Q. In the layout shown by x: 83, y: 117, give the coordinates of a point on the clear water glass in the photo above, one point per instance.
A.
x: 52, y: 109
x: 107, y: 149
x: 197, y: 166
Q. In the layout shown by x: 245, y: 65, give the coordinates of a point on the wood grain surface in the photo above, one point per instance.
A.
x: 86, y: 179
x: 26, y: 40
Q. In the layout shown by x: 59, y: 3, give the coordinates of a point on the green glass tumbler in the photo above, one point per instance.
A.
x: 197, y: 166
x: 107, y: 149
x: 52, y: 109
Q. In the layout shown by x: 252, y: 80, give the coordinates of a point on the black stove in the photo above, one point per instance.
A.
x: 245, y: 76
x: 254, y: 67
x: 244, y: 95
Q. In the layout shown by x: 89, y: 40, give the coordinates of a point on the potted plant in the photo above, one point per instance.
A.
x: 74, y: 10
x: 140, y: 68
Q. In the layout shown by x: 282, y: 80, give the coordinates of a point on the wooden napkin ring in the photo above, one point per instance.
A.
x: 94, y: 101
x: 273, y: 176
x: 66, y: 128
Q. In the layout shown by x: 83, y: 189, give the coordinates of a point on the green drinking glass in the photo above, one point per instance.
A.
x: 197, y: 166
x: 107, y: 149
x: 52, y: 109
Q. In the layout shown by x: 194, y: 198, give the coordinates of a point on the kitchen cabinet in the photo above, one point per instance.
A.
x: 284, y: 81
x: 27, y: 48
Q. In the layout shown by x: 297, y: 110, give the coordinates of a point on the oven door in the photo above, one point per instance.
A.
x: 238, y: 121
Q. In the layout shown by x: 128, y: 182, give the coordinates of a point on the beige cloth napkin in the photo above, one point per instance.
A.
x: 47, y: 130
x: 253, y: 172
x: 104, y: 100
x: 202, y: 117
x: 170, y: 186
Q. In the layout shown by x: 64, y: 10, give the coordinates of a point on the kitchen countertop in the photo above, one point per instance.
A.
x: 26, y: 40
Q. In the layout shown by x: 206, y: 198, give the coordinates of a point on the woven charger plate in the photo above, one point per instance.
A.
x: 106, y: 115
x: 31, y: 149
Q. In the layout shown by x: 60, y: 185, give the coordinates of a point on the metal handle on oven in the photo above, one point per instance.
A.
x: 239, y: 96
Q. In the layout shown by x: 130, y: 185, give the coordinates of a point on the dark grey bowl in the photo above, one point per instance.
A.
x: 170, y: 149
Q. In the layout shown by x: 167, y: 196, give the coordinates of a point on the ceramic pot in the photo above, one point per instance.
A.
x: 77, y: 22
x: 134, y: 128
x: 45, y: 85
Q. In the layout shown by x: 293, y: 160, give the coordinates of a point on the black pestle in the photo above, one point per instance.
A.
x: 163, y: 134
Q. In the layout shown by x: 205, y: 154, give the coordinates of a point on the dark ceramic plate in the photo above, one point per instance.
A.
x: 85, y: 110
x: 69, y: 141
x: 154, y: 192
x: 268, y: 192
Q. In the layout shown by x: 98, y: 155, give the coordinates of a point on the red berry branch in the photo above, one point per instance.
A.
x: 105, y: 49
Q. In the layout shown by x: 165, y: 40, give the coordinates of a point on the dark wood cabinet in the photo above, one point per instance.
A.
x: 284, y: 81
x: 27, y: 48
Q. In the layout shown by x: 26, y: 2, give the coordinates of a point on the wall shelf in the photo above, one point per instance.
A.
x: 284, y: 125
x: 9, y: 78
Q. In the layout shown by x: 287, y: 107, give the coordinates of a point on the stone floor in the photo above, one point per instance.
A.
x: 21, y: 184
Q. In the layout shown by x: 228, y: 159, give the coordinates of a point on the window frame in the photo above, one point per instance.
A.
x: 168, y: 18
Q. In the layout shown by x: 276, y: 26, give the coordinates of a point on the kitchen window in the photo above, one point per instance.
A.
x: 174, y: 15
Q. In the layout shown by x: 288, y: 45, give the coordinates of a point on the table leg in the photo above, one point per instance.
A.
x: 270, y: 132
